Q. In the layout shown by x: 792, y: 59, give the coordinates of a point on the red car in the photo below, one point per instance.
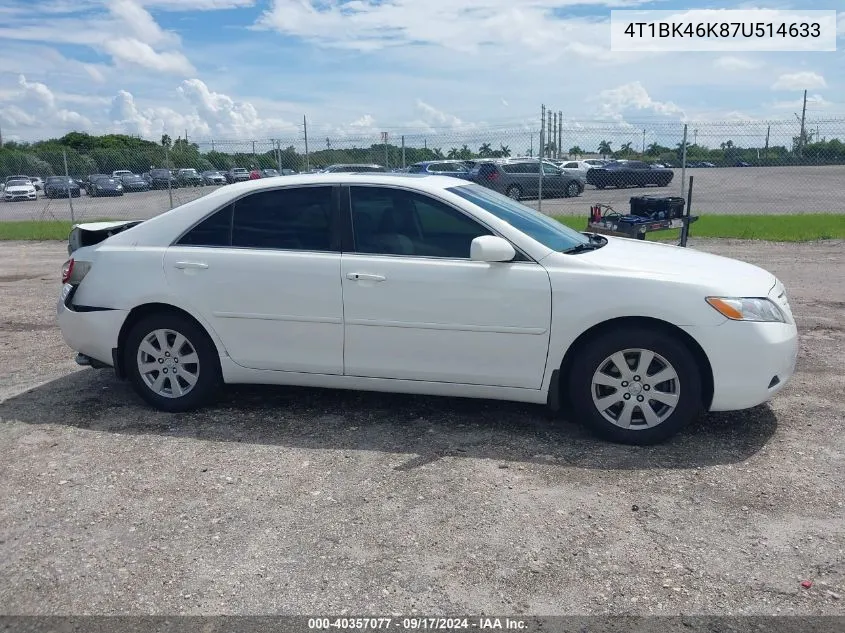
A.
x: 254, y: 174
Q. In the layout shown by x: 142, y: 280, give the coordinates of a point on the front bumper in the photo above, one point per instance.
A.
x: 15, y: 197
x: 751, y: 362
x: 93, y: 333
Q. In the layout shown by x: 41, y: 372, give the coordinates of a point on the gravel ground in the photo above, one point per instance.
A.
x: 765, y: 190
x: 303, y: 501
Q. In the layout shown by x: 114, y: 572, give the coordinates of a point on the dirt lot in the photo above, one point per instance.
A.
x: 769, y: 190
x: 306, y: 501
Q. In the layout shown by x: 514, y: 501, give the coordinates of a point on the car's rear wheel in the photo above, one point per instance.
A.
x: 514, y: 192
x: 635, y: 385
x: 171, y: 362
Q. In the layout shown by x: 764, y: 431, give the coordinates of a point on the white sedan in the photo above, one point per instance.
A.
x: 426, y: 285
x: 19, y: 190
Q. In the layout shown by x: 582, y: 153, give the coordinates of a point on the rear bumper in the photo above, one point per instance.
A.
x: 751, y: 362
x: 93, y: 333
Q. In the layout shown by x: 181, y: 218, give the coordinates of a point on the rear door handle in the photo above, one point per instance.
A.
x: 183, y: 265
x: 364, y: 277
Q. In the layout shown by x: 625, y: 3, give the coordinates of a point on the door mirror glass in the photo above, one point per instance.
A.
x: 491, y: 248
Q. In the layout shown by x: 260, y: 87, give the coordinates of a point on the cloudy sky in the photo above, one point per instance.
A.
x: 244, y: 69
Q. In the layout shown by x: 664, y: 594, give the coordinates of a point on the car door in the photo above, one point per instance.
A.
x: 417, y: 308
x: 265, y: 273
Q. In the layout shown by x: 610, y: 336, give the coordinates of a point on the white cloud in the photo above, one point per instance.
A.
x: 633, y: 96
x: 813, y: 102
x: 805, y: 80
x: 131, y: 52
x: 197, y: 5
x: 35, y: 106
x: 366, y: 122
x: 140, y: 23
x: 731, y: 63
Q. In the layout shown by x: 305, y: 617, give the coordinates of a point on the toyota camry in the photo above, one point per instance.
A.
x: 428, y: 285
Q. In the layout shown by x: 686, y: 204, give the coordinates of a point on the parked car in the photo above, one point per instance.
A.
x: 237, y: 174
x: 632, y: 173
x: 120, y: 173
x: 453, y: 168
x: 255, y: 174
x: 19, y: 189
x: 288, y: 172
x: 162, y: 179
x: 484, y: 297
x: 189, y: 178
x: 37, y: 183
x: 60, y: 186
x: 105, y: 186
x: 519, y: 178
x: 354, y: 168
x: 133, y: 182
x: 213, y: 178
x: 742, y: 163
x: 86, y: 182
x: 596, y: 162
x: 269, y: 173
x: 576, y: 168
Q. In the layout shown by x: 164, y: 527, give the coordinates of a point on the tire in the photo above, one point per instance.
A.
x: 573, y: 190
x: 514, y: 192
x: 593, y: 370
x: 204, y: 372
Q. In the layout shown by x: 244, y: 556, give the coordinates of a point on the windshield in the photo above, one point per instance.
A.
x: 53, y: 179
x: 547, y: 231
x: 18, y: 183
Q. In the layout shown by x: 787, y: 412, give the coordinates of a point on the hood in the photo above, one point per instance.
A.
x: 721, y: 275
x: 20, y: 188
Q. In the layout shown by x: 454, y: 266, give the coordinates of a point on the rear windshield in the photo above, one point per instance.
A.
x: 542, y: 228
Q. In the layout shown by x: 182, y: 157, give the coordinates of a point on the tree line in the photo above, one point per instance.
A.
x: 87, y: 154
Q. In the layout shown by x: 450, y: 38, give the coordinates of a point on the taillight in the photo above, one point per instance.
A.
x: 493, y: 175
x: 67, y: 270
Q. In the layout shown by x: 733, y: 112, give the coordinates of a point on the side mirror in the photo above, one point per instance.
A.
x: 490, y: 248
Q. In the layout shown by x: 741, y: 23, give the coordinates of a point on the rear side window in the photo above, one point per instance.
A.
x: 298, y: 218
x: 215, y: 230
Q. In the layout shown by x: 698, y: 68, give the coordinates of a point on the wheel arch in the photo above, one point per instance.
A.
x: 622, y: 322
x: 144, y: 310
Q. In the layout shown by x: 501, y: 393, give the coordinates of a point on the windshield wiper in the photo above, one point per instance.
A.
x: 582, y: 248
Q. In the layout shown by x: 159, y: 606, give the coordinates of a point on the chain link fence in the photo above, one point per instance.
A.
x: 740, y: 167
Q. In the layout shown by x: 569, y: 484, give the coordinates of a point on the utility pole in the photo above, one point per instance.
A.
x: 403, y: 151
x: 305, y: 130
x: 186, y: 138
x: 802, y: 135
x: 695, y: 137
x: 554, y: 135
x: 1, y: 138
x: 559, y: 132
x: 540, y: 159
x: 768, y: 132
x: 684, y: 163
x: 548, y: 128
x: 643, y: 142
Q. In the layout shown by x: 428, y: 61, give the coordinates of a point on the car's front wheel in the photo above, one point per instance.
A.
x: 171, y: 362
x: 572, y: 190
x: 636, y: 385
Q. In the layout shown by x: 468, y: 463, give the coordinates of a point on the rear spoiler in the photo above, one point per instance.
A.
x: 92, y: 233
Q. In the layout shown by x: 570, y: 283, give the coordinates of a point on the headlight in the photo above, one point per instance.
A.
x: 747, y: 309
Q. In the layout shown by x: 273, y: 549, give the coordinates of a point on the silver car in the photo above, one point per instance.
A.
x: 520, y: 178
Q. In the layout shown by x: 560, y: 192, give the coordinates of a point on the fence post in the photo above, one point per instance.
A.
x: 403, y: 151
x: 305, y: 130
x: 170, y: 174
x: 69, y: 192
x: 684, y: 162
x: 279, y: 154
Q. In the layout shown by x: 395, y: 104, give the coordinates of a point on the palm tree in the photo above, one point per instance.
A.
x: 485, y: 151
x: 465, y: 152
x: 165, y: 140
x: 604, y: 148
x: 505, y: 151
x: 438, y: 152
x: 653, y: 150
x: 576, y: 152
x: 453, y: 153
x: 626, y: 149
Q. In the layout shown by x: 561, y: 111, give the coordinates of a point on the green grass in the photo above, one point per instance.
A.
x: 775, y: 228
x: 38, y: 229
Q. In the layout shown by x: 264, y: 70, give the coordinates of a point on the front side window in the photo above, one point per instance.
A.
x: 549, y: 232
x: 297, y: 218
x: 388, y: 221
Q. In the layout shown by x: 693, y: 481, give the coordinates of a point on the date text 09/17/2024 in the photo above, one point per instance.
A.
x: 416, y: 623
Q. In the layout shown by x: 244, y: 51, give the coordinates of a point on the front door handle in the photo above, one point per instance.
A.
x: 364, y: 277
x: 183, y: 265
